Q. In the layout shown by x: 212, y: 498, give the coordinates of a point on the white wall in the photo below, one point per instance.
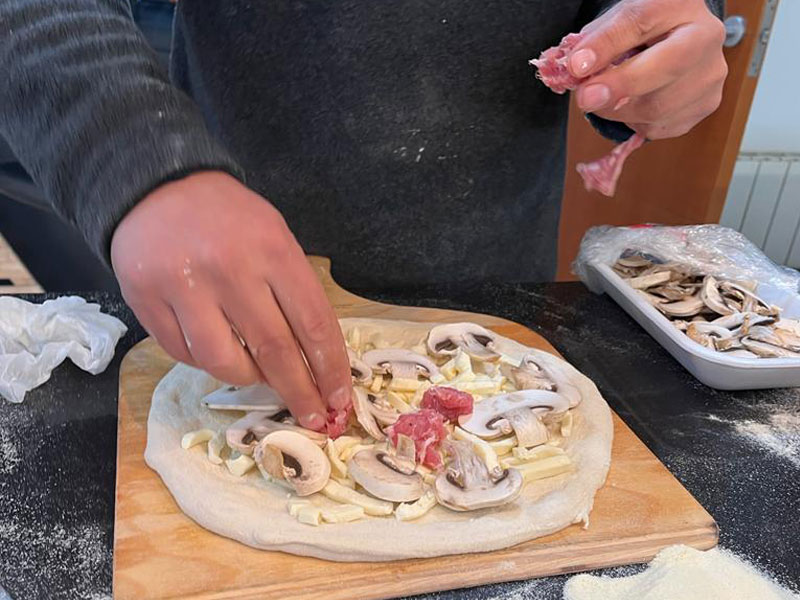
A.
x: 774, y: 122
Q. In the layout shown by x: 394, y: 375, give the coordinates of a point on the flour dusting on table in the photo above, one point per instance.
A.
x: 774, y: 428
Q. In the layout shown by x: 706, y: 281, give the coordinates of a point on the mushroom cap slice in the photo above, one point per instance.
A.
x: 682, y: 308
x: 712, y: 298
x: 244, y: 434
x: 400, y: 363
x: 292, y: 456
x: 488, y: 416
x: 528, y: 427
x: 361, y: 371
x: 530, y: 376
x: 376, y: 471
x: 478, y: 342
x: 258, y: 397
x: 364, y: 414
x: 766, y: 350
x: 467, y: 485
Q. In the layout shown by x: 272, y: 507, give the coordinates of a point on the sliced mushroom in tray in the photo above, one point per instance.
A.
x: 719, y: 314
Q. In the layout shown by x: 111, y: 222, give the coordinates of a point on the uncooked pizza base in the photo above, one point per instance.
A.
x: 254, y: 512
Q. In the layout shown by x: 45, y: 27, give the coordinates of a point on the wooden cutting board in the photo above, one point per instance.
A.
x: 161, y: 553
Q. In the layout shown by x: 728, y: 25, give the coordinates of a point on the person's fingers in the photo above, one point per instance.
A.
x: 160, y: 322
x: 212, y: 342
x: 303, y: 301
x: 678, y: 124
x: 258, y: 319
x: 701, y: 89
x: 628, y: 26
x: 650, y: 70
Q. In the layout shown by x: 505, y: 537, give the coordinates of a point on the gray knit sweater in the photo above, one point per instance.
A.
x: 408, y: 140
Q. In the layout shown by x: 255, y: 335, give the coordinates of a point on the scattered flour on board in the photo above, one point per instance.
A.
x: 776, y: 430
x: 9, y: 454
x: 686, y: 573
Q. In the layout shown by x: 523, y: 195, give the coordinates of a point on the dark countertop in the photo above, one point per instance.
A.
x: 737, y: 452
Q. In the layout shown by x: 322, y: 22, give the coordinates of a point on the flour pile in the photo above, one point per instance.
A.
x: 683, y: 573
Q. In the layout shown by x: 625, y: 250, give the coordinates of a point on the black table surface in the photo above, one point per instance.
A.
x: 732, y: 450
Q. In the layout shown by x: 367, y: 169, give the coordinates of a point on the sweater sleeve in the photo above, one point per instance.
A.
x: 90, y: 113
x: 590, y: 10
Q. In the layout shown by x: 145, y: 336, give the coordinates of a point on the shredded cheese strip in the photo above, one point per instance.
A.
x: 537, y: 452
x: 503, y: 446
x: 216, y: 446
x: 310, y: 515
x: 295, y: 504
x: 482, y: 448
x: 193, y: 438
x: 547, y: 467
x: 414, y: 510
x: 241, y: 465
x: 566, y: 424
x: 342, y: 514
x: 344, y: 442
x: 337, y: 466
x: 372, y: 506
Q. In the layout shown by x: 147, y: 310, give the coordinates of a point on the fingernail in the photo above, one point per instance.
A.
x: 313, y: 421
x: 622, y: 102
x: 341, y: 397
x: 582, y: 61
x: 595, y: 96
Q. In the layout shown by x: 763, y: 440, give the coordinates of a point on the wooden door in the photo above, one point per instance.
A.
x: 678, y: 181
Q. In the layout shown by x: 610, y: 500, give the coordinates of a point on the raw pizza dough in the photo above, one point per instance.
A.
x: 254, y: 512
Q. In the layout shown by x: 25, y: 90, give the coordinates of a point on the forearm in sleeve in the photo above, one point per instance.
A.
x: 90, y: 113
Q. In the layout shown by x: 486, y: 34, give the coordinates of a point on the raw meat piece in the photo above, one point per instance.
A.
x: 448, y: 402
x: 426, y: 428
x: 337, y: 421
x: 551, y: 66
x: 602, y: 174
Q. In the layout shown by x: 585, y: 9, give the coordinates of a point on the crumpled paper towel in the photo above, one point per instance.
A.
x: 36, y: 338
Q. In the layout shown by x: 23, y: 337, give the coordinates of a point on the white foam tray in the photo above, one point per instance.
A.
x: 715, y: 369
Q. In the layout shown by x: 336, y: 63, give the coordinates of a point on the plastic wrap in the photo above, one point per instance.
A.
x: 35, y: 338
x: 703, y: 249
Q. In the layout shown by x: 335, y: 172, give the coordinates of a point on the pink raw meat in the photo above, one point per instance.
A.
x: 552, y: 65
x: 337, y: 421
x: 448, y: 402
x: 602, y: 174
x: 426, y: 428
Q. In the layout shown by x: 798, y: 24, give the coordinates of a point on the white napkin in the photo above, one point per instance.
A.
x: 36, y: 338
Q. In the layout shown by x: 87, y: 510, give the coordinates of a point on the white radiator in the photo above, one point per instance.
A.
x: 764, y: 204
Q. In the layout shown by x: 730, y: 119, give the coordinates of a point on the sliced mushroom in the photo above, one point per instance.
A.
x: 467, y: 485
x: 293, y: 457
x: 379, y: 473
x: 642, y: 282
x: 244, y: 434
x: 476, y: 341
x: 761, y: 306
x: 364, y: 415
x: 258, y: 397
x: 380, y: 408
x: 530, y: 376
x: 710, y: 295
x: 360, y: 370
x: 400, y: 363
x: 488, y: 418
x: 766, y: 350
x: 683, y: 308
x: 528, y: 427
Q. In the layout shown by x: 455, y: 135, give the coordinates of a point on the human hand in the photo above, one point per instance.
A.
x: 204, y: 258
x: 672, y: 84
